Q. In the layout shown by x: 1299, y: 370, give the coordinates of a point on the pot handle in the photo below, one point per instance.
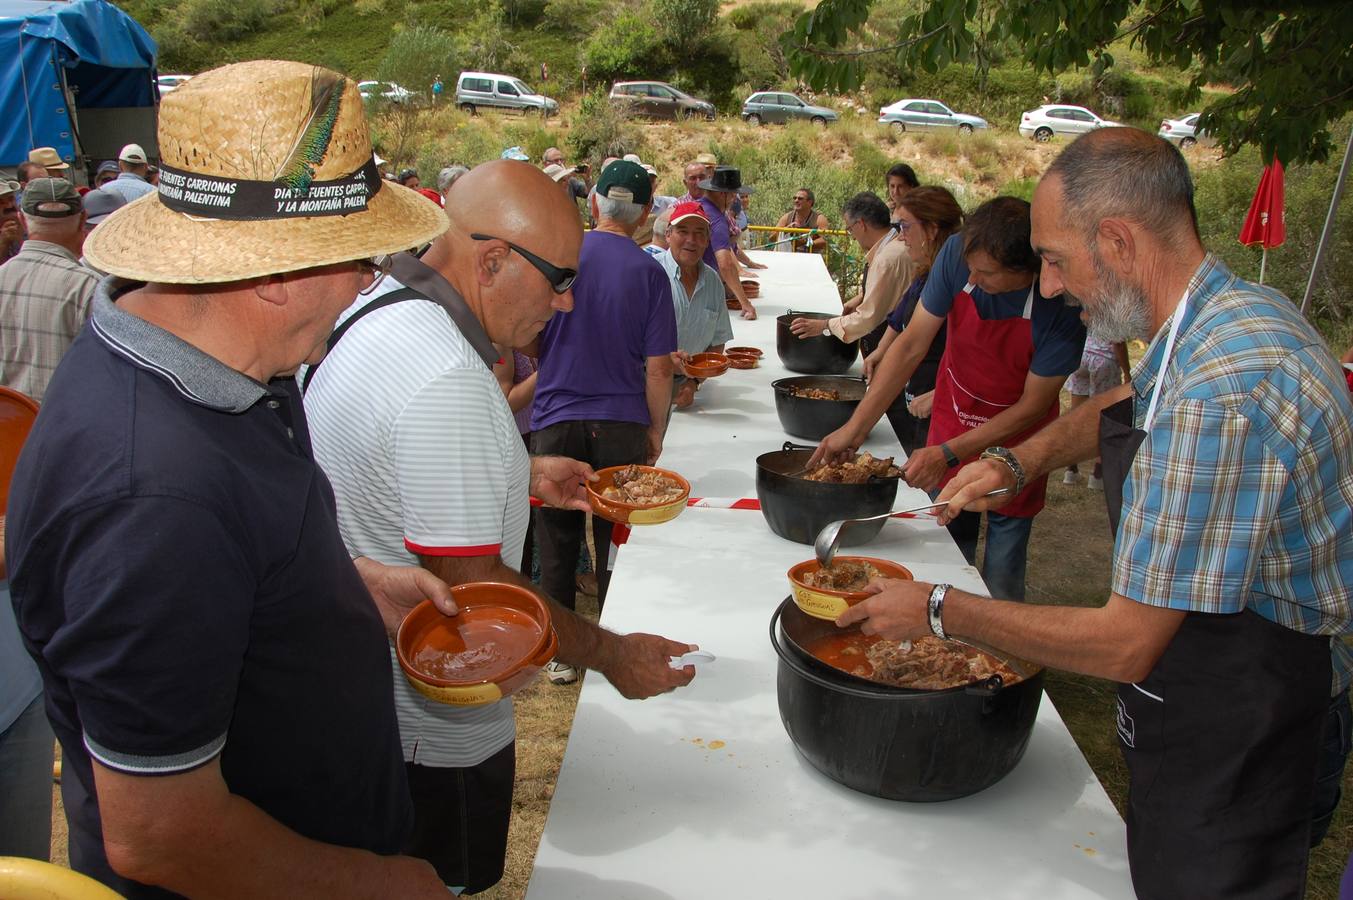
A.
x: 790, y: 445
x: 987, y: 688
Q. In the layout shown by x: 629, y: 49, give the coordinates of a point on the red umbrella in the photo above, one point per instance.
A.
x: 1265, y: 224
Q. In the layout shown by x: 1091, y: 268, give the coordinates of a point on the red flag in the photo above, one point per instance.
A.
x: 1264, y: 224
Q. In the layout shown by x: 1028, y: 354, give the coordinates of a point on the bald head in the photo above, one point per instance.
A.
x: 513, y: 207
x: 1123, y: 173
x: 516, y: 202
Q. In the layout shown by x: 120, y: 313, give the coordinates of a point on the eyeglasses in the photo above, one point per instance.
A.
x: 800, y: 199
x: 560, y: 279
x: 903, y: 226
x: 379, y: 267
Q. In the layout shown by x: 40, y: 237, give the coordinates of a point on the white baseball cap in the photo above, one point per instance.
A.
x: 133, y: 153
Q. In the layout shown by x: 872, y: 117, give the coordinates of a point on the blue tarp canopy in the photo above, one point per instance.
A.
x: 107, y: 58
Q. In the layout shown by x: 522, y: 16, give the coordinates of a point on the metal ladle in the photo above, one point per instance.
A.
x: 824, y: 547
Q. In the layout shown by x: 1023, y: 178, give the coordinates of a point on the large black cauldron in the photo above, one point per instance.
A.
x: 896, y: 743
x: 797, y: 509
x: 820, y: 355
x: 815, y: 419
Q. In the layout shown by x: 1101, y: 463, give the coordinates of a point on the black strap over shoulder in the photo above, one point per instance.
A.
x: 380, y: 302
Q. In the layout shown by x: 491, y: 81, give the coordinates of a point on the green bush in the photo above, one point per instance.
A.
x: 224, y: 20
x: 629, y: 48
x: 600, y: 130
x: 417, y: 55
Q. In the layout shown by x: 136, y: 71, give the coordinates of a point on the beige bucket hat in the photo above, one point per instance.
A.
x: 266, y: 167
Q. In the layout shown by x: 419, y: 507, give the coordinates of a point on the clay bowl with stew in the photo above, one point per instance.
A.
x: 828, y: 603
x: 707, y: 365
x: 623, y: 513
x: 492, y: 648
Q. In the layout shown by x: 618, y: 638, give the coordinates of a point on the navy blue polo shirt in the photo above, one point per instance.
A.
x: 178, y: 574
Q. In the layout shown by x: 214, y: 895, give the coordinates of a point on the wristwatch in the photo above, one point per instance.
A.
x: 950, y: 458
x: 1007, y: 456
x: 935, y: 610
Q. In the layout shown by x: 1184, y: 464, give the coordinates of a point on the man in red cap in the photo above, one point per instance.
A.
x: 697, y: 293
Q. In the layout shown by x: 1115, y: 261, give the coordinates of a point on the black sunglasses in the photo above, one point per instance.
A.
x: 560, y: 279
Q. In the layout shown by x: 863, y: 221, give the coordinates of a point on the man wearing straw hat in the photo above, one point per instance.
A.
x: 214, y: 661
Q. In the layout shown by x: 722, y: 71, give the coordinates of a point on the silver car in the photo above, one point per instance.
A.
x: 480, y: 89
x: 771, y: 106
x: 1183, y: 131
x: 1060, y: 118
x: 928, y: 115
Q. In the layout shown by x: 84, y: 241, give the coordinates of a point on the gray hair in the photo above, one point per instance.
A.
x: 1126, y: 173
x: 447, y: 177
x: 58, y: 226
x: 624, y: 212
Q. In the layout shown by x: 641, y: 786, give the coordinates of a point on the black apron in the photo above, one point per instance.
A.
x: 1221, y: 740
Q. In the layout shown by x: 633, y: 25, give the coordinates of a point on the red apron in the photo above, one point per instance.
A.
x: 982, y: 373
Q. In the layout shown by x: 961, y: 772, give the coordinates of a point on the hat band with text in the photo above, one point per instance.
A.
x: 213, y: 197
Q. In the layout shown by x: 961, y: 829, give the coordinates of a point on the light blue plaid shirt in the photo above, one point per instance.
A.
x: 1241, y: 495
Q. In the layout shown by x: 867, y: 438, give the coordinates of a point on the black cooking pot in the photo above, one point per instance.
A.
x: 815, y: 419
x: 797, y: 509
x: 892, y: 742
x: 821, y: 355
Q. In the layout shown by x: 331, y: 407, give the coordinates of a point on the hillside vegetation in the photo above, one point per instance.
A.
x: 723, y: 53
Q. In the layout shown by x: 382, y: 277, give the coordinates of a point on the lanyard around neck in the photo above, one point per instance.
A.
x: 1175, y: 318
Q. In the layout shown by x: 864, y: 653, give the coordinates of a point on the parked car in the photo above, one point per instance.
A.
x: 387, y: 91
x: 928, y: 115
x: 167, y: 83
x: 1183, y: 131
x: 767, y: 106
x: 659, y: 100
x: 1060, y: 118
x: 489, y: 89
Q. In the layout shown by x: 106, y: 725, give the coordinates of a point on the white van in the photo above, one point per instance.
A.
x: 480, y: 89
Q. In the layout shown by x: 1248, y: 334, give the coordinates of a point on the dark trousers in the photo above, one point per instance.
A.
x: 1329, y: 775
x: 460, y: 819
x: 559, y: 532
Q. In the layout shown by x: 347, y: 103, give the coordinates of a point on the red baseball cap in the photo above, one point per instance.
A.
x: 431, y: 195
x: 688, y: 209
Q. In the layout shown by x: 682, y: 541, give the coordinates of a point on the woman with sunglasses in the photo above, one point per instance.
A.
x: 925, y: 217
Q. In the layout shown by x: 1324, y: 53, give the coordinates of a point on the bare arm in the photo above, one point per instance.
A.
x: 1121, y: 640
x: 890, y: 377
x: 636, y: 664
x: 189, y: 834
x: 1072, y: 438
x: 872, y: 361
x: 504, y: 370
x: 927, y: 465
x: 820, y: 240
x: 658, y: 391
x: 522, y: 393
x: 729, y: 272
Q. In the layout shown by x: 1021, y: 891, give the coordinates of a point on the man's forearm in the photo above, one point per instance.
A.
x: 1121, y: 640
x: 1073, y: 438
x: 222, y: 846
x: 658, y: 392
x: 997, y: 430
x: 728, y: 271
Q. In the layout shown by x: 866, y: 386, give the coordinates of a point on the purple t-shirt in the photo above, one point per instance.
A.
x: 592, y: 359
x: 719, y: 236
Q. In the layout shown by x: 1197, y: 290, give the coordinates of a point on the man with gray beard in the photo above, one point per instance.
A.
x: 1228, y: 470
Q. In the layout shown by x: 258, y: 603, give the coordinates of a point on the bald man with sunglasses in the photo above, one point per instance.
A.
x: 428, y: 467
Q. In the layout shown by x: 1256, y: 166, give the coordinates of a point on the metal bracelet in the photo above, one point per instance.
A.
x: 935, y: 610
x: 1005, y: 455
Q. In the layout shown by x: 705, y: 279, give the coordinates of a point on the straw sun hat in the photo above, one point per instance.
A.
x: 266, y: 167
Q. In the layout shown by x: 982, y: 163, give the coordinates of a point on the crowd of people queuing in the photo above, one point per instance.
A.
x: 269, y: 432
